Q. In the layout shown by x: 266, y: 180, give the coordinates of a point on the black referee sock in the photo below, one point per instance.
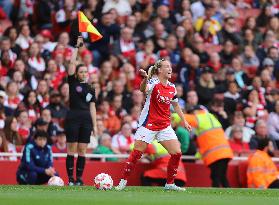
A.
x: 70, y: 166
x: 80, y: 166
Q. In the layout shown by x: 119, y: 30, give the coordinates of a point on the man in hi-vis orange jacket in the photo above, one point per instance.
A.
x: 262, y: 172
x: 212, y: 143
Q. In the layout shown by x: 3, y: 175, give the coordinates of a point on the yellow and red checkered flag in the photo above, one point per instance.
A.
x: 84, y: 25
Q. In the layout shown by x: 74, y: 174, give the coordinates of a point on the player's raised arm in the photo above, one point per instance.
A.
x: 73, y: 61
x: 143, y: 85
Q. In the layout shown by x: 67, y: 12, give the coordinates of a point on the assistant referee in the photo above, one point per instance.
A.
x: 80, y: 118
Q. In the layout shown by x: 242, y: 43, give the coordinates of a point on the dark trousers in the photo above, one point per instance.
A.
x: 34, y: 178
x: 219, y: 173
x: 148, y: 181
x: 274, y: 184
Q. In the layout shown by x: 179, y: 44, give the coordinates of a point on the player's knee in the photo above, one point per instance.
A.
x: 71, y: 148
x: 175, y: 152
x: 81, y: 151
x: 140, y: 146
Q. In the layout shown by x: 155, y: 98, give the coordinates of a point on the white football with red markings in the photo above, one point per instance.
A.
x: 103, y: 181
x: 55, y: 181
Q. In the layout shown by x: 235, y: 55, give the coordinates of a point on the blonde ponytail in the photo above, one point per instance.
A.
x: 152, y: 70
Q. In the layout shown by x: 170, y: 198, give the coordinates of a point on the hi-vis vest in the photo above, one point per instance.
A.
x: 160, y: 151
x: 261, y: 171
x: 211, y: 139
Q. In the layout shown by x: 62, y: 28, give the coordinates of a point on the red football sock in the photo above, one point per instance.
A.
x: 131, y: 162
x: 172, y: 167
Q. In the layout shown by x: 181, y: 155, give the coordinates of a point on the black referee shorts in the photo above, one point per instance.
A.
x: 78, y: 126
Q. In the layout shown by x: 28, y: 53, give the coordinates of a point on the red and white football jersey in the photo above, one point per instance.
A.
x: 156, y: 111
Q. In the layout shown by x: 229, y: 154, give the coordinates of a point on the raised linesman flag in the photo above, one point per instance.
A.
x: 84, y: 25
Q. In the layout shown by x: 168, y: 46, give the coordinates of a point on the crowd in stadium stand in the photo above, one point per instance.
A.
x: 224, y: 56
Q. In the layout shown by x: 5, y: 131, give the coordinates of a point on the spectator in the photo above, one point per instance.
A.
x: 227, y: 53
x: 60, y: 146
x: 12, y: 34
x: 250, y: 23
x: 52, y: 127
x: 217, y: 109
x: 146, y: 57
x: 31, y: 105
x: 6, y: 46
x: 236, y: 141
x: 43, y: 93
x: 184, y: 71
x: 11, y: 131
x: 105, y: 147
x: 13, y: 95
x: 121, y: 142
x: 24, y: 39
x: 198, y: 48
x: 110, y: 120
x: 273, y: 124
x: 6, y: 110
x: 41, y: 125
x: 192, y: 99
x: 231, y: 97
x: 215, y: 61
x: 206, y: 86
x: 36, y: 166
x: 159, y: 37
x: 253, y: 109
x: 249, y: 57
x: 213, y: 25
x: 64, y: 91
x: 35, y: 62
x: 125, y: 48
x: 238, y: 120
x: 57, y: 109
x: 266, y: 13
x: 122, y: 7
x: 261, y: 133
x: 6, y: 146
x: 109, y: 30
x: 229, y: 32
x: 198, y: 8
x: 24, y: 125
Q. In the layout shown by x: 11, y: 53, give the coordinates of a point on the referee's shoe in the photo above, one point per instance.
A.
x: 79, y: 182
x: 71, y: 182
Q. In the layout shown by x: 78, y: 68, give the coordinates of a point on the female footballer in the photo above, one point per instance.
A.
x: 155, y: 123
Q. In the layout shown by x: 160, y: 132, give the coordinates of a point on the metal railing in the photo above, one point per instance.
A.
x: 102, y: 157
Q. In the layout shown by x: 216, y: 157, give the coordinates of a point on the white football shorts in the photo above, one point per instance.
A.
x: 148, y: 136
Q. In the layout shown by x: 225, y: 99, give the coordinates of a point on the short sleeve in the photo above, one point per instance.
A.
x: 175, y: 98
x: 90, y: 96
x: 71, y: 79
x: 151, y: 84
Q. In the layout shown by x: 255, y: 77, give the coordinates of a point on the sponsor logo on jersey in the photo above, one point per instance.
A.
x: 79, y: 89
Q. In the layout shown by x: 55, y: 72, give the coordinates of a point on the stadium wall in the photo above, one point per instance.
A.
x: 197, y: 173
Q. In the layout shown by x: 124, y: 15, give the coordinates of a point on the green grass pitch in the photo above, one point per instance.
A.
x: 88, y: 195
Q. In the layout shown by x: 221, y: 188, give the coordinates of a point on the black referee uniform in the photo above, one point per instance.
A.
x: 78, y: 123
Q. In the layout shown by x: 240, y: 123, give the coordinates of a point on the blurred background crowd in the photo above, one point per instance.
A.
x: 224, y: 55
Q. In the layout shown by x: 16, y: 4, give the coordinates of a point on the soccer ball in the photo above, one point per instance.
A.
x: 55, y: 181
x: 103, y: 181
